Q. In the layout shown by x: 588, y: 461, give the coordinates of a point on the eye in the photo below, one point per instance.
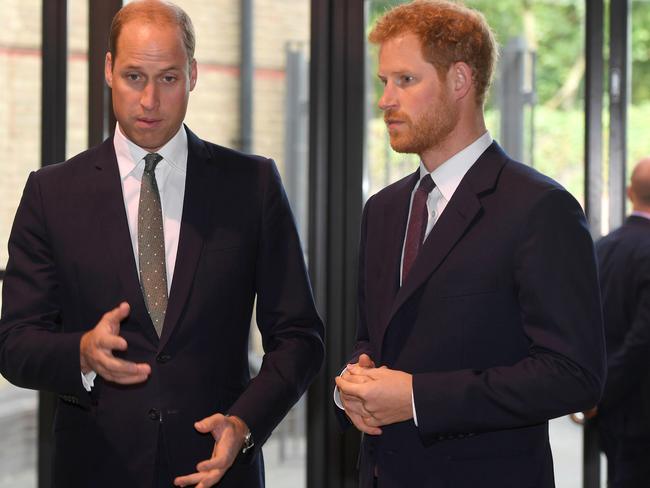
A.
x: 169, y: 78
x: 405, y: 80
x: 133, y: 77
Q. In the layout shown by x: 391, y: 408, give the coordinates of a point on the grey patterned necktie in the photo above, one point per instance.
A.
x: 151, y: 245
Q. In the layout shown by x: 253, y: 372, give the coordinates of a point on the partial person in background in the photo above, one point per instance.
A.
x: 133, y: 270
x: 479, y: 307
x: 623, y: 414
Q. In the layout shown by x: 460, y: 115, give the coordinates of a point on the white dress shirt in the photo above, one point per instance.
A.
x: 447, y: 177
x: 170, y: 177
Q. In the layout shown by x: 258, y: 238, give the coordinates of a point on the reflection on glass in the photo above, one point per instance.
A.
x: 20, y: 71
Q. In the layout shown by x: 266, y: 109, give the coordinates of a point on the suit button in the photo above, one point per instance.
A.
x: 163, y: 358
x: 154, y: 414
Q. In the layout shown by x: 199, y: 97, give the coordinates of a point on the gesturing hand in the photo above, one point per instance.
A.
x: 229, y: 433
x: 97, y: 346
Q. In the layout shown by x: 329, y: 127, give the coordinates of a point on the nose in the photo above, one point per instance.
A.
x: 388, y: 99
x: 149, y: 96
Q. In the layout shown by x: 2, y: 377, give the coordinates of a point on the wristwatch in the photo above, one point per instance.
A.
x: 248, y: 442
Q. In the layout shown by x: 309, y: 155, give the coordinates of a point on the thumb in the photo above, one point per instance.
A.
x: 366, y: 362
x: 116, y: 316
x: 208, y: 424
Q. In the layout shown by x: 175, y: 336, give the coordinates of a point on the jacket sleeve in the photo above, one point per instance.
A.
x: 292, y: 332
x: 34, y: 352
x: 559, y: 308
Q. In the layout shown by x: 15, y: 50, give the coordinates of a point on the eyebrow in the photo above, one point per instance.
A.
x: 139, y: 68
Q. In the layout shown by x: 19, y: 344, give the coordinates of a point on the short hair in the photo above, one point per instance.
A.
x: 153, y: 11
x: 449, y: 33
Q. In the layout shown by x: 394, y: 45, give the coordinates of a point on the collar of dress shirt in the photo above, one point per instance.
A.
x: 449, y: 174
x: 639, y: 213
x: 130, y: 156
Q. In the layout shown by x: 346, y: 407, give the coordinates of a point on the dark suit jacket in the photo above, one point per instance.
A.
x: 499, y: 322
x: 624, y: 265
x: 71, y: 260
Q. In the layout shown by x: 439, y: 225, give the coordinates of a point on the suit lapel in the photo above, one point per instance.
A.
x: 396, y: 212
x: 190, y: 242
x: 461, y: 212
x: 111, y: 216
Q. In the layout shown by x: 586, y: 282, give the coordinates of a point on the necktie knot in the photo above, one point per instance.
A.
x: 426, y: 184
x: 150, y: 161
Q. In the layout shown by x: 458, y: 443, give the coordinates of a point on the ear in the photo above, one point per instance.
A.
x: 630, y: 194
x: 193, y: 74
x: 108, y: 70
x: 461, y: 79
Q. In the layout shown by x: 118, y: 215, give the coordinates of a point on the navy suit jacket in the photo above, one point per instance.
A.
x: 624, y: 264
x: 499, y: 321
x: 71, y: 260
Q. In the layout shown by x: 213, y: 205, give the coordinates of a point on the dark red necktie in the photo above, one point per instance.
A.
x: 417, y: 224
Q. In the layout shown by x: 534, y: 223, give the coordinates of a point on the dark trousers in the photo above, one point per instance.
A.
x: 628, y: 460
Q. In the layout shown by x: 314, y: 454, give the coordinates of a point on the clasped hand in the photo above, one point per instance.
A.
x: 374, y: 397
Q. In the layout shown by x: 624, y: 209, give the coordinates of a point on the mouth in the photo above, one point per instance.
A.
x: 393, y: 123
x: 147, y: 122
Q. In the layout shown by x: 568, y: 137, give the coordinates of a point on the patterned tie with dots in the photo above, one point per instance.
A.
x: 151, y: 245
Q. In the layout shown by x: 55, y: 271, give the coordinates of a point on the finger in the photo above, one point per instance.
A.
x: 363, y: 427
x: 350, y: 388
x: 356, y: 369
x: 225, y: 451
x: 112, y: 342
x: 357, y: 409
x: 357, y: 378
x: 122, y: 371
x: 373, y: 422
x: 210, y: 423
x: 118, y: 314
x: 211, y: 479
x: 188, y: 480
x: 365, y: 361
x: 351, y: 402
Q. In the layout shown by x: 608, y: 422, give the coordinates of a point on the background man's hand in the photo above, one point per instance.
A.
x: 98, y: 344
x: 382, y: 396
x: 229, y: 433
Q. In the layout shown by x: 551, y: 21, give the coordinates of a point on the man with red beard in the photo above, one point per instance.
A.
x: 479, y: 309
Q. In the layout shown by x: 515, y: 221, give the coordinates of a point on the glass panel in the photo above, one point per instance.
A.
x: 639, y: 109
x: 279, y: 119
x: 280, y: 131
x: 77, y: 89
x: 20, y: 70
